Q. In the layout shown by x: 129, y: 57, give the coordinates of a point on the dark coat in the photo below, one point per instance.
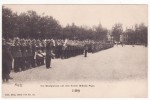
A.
x: 6, y: 59
x: 86, y: 47
x: 33, y: 50
x: 29, y: 50
x: 24, y: 51
x: 17, y: 51
x: 49, y: 50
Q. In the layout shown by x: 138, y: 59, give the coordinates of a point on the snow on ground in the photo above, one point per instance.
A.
x: 118, y: 71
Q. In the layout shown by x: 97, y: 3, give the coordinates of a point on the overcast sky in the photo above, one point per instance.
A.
x: 90, y: 15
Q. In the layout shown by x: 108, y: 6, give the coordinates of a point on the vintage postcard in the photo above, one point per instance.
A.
x: 75, y: 51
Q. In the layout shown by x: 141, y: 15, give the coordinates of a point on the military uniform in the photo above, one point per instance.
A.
x: 85, y: 50
x: 63, y: 55
x: 24, y: 55
x: 42, y: 51
x: 49, y: 54
x: 17, y: 54
x: 33, y: 53
x: 6, y: 61
x: 92, y: 48
x: 29, y: 53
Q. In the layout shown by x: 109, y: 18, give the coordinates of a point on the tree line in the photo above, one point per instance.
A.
x: 31, y: 25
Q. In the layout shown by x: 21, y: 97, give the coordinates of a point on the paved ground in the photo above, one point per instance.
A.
x: 123, y: 69
x: 113, y: 64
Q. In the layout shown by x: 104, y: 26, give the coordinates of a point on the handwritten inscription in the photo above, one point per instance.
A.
x: 18, y: 85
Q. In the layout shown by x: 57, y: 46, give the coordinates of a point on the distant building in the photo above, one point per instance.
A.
x: 109, y: 36
x: 124, y: 37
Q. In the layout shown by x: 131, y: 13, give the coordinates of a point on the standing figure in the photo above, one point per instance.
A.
x: 92, y: 47
x: 29, y: 53
x: 6, y: 61
x: 24, y: 49
x: 33, y: 53
x: 49, y: 53
x: 17, y: 54
x: 64, y: 47
x: 85, y: 50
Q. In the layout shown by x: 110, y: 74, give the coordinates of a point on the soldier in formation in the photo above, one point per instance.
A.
x: 6, y: 61
x: 49, y: 53
x: 30, y: 53
x: 85, y: 50
x: 17, y: 55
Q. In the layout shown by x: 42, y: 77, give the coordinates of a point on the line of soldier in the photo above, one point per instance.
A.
x: 29, y: 53
x: 6, y: 61
x: 23, y: 52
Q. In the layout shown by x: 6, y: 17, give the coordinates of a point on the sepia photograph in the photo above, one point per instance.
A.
x: 80, y: 50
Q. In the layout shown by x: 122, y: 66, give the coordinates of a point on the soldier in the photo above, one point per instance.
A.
x: 64, y: 47
x: 11, y: 49
x: 17, y: 55
x: 43, y: 45
x: 23, y: 51
x: 92, y: 47
x: 85, y: 50
x: 38, y: 52
x: 41, y: 51
x: 39, y: 57
x: 70, y: 51
x: 33, y: 44
x: 60, y: 43
x: 6, y: 61
x: 56, y: 49
x: 49, y: 53
x: 29, y: 53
